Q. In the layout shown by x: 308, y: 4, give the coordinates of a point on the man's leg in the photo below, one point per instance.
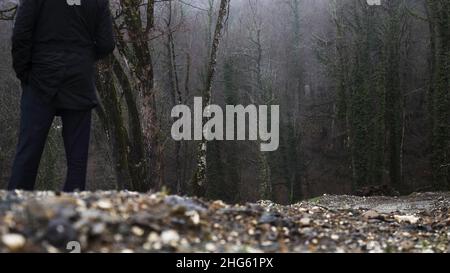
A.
x: 35, y: 121
x: 76, y: 134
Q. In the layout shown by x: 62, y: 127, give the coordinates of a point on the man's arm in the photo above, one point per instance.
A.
x: 104, y: 40
x: 22, y: 38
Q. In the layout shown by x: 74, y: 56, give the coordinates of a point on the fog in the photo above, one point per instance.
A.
x: 352, y: 82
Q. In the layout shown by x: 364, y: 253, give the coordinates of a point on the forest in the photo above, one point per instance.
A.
x: 363, y: 93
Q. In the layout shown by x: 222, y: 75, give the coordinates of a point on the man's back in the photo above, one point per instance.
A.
x: 55, y: 45
x: 64, y: 21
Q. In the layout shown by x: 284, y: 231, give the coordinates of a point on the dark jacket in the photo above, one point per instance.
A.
x: 55, y: 45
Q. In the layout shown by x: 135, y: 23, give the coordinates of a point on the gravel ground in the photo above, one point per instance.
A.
x: 132, y: 222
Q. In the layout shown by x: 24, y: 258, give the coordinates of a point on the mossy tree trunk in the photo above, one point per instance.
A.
x: 438, y: 95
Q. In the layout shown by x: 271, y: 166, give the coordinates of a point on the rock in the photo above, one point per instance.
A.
x: 194, y: 216
x: 334, y: 237
x: 407, y: 245
x: 316, y: 209
x: 305, y: 222
x: 37, y: 212
x: 415, y: 227
x: 407, y: 218
x: 210, y: 247
x: 98, y: 228
x: 371, y: 214
x: 52, y: 207
x: 268, y: 218
x: 153, y: 237
x: 216, y: 205
x: 14, y: 242
x: 137, y: 231
x: 60, y: 232
x: 374, y: 247
x: 170, y: 237
x: 104, y: 204
x: 186, y: 203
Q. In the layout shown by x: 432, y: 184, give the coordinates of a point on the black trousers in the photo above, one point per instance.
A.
x: 35, y: 122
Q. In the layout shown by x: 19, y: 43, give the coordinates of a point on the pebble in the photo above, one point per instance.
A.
x: 210, y: 247
x: 334, y: 237
x: 14, y: 242
x: 104, y: 221
x: 104, y: 204
x: 371, y: 214
x: 194, y: 216
x: 305, y: 222
x: 153, y: 237
x: 407, y: 245
x: 219, y: 204
x: 137, y: 231
x: 407, y: 218
x: 169, y: 237
x: 98, y: 228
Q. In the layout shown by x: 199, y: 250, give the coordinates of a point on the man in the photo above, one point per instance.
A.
x: 55, y: 45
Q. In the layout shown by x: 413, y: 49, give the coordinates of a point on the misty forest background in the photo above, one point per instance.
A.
x: 363, y: 94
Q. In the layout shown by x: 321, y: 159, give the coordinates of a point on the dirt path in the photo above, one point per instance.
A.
x: 414, y: 203
x: 131, y: 222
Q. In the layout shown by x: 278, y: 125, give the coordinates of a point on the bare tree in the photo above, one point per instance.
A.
x: 200, y: 177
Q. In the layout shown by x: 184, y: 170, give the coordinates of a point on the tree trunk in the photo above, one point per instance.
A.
x: 200, y: 175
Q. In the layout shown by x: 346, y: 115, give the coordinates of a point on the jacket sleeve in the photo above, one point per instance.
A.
x: 104, y: 40
x: 22, y: 38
